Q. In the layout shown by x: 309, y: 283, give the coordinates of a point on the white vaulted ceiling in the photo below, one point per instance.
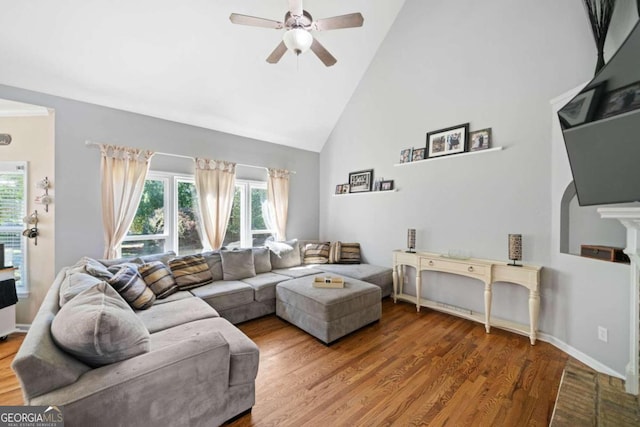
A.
x: 185, y: 61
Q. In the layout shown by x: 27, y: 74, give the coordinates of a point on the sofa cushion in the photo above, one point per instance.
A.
x: 225, y: 294
x: 99, y: 328
x: 334, y: 252
x: 381, y: 276
x: 91, y: 266
x: 349, y: 253
x: 264, y: 285
x: 316, y: 253
x: 174, y: 313
x: 284, y: 254
x: 113, y: 269
x: 159, y: 278
x: 190, y: 271
x: 262, y: 259
x: 132, y: 288
x: 295, y: 272
x: 174, y: 297
x: 237, y: 264
x: 214, y: 261
x: 74, y: 283
x: 163, y: 257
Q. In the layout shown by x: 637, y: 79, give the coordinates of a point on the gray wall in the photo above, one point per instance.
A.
x: 77, y: 180
x: 494, y: 64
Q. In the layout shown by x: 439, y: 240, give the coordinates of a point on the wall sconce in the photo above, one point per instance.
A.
x: 5, y: 139
x: 31, y: 232
x: 45, y: 199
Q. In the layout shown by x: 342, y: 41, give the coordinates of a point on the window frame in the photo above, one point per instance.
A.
x: 22, y: 288
x: 246, y: 231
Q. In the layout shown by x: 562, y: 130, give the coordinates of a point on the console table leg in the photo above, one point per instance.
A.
x: 395, y: 283
x: 534, y: 310
x: 418, y: 289
x: 487, y: 307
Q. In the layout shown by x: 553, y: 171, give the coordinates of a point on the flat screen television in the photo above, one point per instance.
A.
x: 601, y: 129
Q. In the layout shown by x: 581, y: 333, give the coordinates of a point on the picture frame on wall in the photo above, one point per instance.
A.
x: 361, y: 181
x: 448, y: 141
x: 339, y: 189
x: 480, y: 139
x: 345, y: 188
x: 418, y: 154
x: 405, y: 155
x: 582, y: 108
x: 386, y: 185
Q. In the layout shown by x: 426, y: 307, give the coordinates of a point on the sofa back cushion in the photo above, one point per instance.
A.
x: 190, y: 271
x: 262, y: 259
x: 159, y: 278
x: 238, y: 264
x: 132, y: 288
x: 316, y: 253
x: 214, y: 261
x: 74, y: 283
x: 99, y: 328
x: 284, y: 254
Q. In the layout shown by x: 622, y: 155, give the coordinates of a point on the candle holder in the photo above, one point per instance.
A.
x: 411, y: 240
x: 515, y: 249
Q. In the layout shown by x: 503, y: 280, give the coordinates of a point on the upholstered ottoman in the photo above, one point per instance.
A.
x: 328, y: 314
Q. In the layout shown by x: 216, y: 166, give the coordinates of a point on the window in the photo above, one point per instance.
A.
x: 248, y: 224
x: 166, y: 218
x: 13, y: 207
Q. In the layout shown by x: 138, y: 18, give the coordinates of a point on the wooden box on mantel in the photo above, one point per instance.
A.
x: 605, y: 253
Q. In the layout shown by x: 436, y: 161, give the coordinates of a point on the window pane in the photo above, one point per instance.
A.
x: 258, y: 198
x: 232, y: 238
x: 12, y: 200
x: 14, y: 252
x: 189, y: 241
x: 259, y: 239
x: 149, y: 217
x: 142, y: 247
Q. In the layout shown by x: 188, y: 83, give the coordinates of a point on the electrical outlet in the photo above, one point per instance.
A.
x: 602, y: 334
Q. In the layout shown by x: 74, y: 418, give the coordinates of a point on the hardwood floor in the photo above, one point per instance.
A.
x: 408, y: 369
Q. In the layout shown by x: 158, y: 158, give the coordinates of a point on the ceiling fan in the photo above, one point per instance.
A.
x: 298, y: 24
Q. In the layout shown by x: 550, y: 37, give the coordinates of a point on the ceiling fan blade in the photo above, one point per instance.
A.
x: 295, y: 7
x: 343, y: 21
x: 322, y: 53
x: 253, y: 21
x: 277, y: 53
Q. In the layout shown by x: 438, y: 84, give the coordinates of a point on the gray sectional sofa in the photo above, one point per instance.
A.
x: 189, y: 366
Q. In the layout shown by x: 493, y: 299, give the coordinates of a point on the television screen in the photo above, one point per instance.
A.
x: 601, y: 129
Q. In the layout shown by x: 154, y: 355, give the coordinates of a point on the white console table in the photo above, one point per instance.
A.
x: 487, y: 271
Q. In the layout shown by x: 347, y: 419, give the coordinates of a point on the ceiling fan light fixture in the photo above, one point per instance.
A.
x: 298, y: 40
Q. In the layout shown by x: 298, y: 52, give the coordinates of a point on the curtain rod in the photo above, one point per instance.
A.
x: 89, y: 143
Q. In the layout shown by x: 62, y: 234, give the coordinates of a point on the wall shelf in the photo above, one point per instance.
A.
x: 395, y: 190
x: 451, y: 156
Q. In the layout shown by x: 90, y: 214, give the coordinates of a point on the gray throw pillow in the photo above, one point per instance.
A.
x: 99, y: 328
x: 261, y: 260
x: 214, y: 261
x: 73, y: 284
x: 284, y: 254
x: 92, y: 267
x: 238, y: 264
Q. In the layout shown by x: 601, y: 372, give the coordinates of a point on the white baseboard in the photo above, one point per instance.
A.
x: 577, y: 354
x: 23, y: 327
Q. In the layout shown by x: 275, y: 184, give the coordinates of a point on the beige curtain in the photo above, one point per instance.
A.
x: 123, y: 171
x: 278, y: 196
x: 215, y: 184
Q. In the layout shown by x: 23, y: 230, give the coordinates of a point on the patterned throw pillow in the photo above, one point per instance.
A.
x: 159, y: 278
x: 350, y: 253
x: 316, y: 253
x: 190, y: 271
x: 132, y: 288
x: 334, y: 252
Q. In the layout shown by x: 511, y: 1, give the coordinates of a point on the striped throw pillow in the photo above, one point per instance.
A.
x: 334, y: 253
x: 316, y: 253
x: 190, y: 271
x: 132, y: 288
x: 159, y: 278
x: 350, y: 253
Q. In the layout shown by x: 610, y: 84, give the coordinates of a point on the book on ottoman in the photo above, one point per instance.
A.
x: 328, y: 282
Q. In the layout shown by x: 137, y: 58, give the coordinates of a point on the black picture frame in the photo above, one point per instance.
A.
x: 447, y: 141
x: 620, y: 100
x: 338, y: 189
x: 361, y: 181
x: 386, y: 185
x: 480, y: 139
x: 581, y: 108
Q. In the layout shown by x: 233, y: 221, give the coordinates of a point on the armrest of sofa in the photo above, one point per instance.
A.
x: 169, y: 383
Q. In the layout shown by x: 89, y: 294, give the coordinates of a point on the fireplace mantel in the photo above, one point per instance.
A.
x: 630, y: 218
